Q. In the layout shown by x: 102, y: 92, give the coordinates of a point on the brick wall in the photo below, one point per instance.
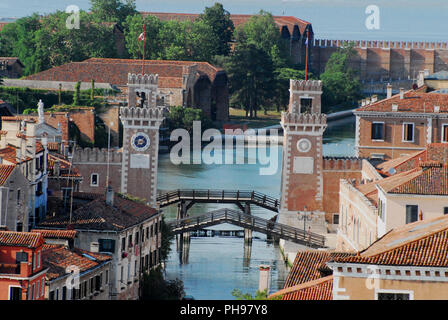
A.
x: 378, y: 60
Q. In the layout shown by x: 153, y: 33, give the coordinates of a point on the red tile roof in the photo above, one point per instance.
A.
x: 58, y: 258
x: 5, y: 172
x: 115, y: 71
x: 10, y: 154
x: 422, y: 243
x: 414, y: 101
x: 238, y: 19
x: 319, y: 289
x: 57, y: 234
x: 432, y: 179
x: 308, y: 266
x: 21, y: 239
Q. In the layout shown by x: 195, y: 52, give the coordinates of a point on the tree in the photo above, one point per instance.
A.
x: 155, y: 287
x: 180, y: 117
x: 282, y: 77
x: 259, y: 295
x: 112, y: 10
x: 222, y: 26
x: 341, y: 85
x: 167, y: 237
x: 262, y: 31
x: 77, y: 94
x: 251, y: 78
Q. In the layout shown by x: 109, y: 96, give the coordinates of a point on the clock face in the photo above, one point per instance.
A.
x: 304, y: 145
x: 140, y: 141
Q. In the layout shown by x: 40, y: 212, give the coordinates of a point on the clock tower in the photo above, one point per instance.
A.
x: 302, y: 179
x: 141, y: 120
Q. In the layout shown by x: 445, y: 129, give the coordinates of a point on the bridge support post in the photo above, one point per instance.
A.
x: 247, y: 232
x: 247, y: 254
x: 182, y: 212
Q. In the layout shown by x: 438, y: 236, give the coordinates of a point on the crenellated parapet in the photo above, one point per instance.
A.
x: 142, y: 90
x: 325, y: 43
x: 314, y: 86
x: 305, y: 96
x: 143, y: 80
x: 342, y: 164
x: 96, y: 155
x: 304, y: 122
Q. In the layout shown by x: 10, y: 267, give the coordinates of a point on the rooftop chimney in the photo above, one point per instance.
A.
x: 401, y: 93
x: 421, y: 78
x: 389, y: 90
x: 264, y: 279
x: 109, y: 196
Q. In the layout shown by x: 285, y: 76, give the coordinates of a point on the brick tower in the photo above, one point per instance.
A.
x: 141, y: 121
x: 302, y: 179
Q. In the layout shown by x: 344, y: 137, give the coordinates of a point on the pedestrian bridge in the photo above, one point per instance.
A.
x: 247, y: 221
x: 237, y: 197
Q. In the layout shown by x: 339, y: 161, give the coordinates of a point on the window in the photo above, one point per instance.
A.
x: 137, y: 237
x: 445, y: 133
x: 306, y: 105
x: 57, y: 294
x: 18, y: 196
x: 94, y: 180
x: 39, y: 189
x: 106, y: 280
x: 411, y: 213
x: 130, y: 240
x: 32, y: 292
x: 37, y: 289
x: 51, y: 295
x: 98, y: 282
x: 408, y: 132
x: 38, y: 259
x: 335, y: 219
x: 107, y: 245
x: 43, y: 288
x: 393, y: 296
x: 378, y: 131
x: 147, y: 232
x: 135, y: 268
x: 64, y: 293
x: 445, y: 210
x: 123, y: 244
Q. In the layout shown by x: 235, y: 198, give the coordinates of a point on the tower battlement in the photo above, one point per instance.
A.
x: 151, y: 114
x: 143, y: 90
x: 96, y: 155
x: 142, y: 80
x: 333, y: 163
x: 304, y: 118
x: 306, y: 85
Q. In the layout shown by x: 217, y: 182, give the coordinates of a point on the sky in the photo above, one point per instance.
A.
x: 405, y: 20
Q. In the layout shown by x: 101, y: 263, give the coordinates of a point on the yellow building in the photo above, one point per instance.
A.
x: 408, y: 263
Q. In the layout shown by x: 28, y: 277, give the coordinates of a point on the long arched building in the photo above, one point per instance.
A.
x: 292, y: 29
x: 181, y: 83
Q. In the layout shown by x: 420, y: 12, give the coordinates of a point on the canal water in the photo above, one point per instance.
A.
x: 214, y: 266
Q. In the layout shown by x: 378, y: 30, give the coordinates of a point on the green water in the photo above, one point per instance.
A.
x: 217, y: 265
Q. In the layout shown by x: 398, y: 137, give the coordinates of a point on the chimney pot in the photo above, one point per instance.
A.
x: 389, y: 90
x: 401, y: 93
x: 109, y: 196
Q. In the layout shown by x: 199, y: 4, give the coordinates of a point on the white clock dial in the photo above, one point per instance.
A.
x: 304, y: 145
x: 140, y: 141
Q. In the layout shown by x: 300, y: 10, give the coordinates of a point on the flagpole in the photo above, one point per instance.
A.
x: 144, y: 39
x: 306, y: 63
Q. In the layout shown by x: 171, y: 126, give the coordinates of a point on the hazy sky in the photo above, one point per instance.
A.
x: 336, y: 19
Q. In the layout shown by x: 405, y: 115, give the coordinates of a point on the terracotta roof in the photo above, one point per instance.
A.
x: 413, y: 101
x: 432, y: 179
x: 5, y: 172
x: 422, y: 243
x: 21, y: 239
x: 319, y: 289
x: 308, y: 266
x: 58, y: 258
x: 97, y: 215
x: 65, y: 167
x: 238, y: 19
x: 115, y: 71
x: 57, y: 234
x: 10, y: 154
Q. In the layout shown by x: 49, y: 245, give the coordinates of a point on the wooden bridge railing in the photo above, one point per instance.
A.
x: 247, y: 221
x: 216, y: 195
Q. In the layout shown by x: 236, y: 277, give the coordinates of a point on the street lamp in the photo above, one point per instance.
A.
x: 305, y: 218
